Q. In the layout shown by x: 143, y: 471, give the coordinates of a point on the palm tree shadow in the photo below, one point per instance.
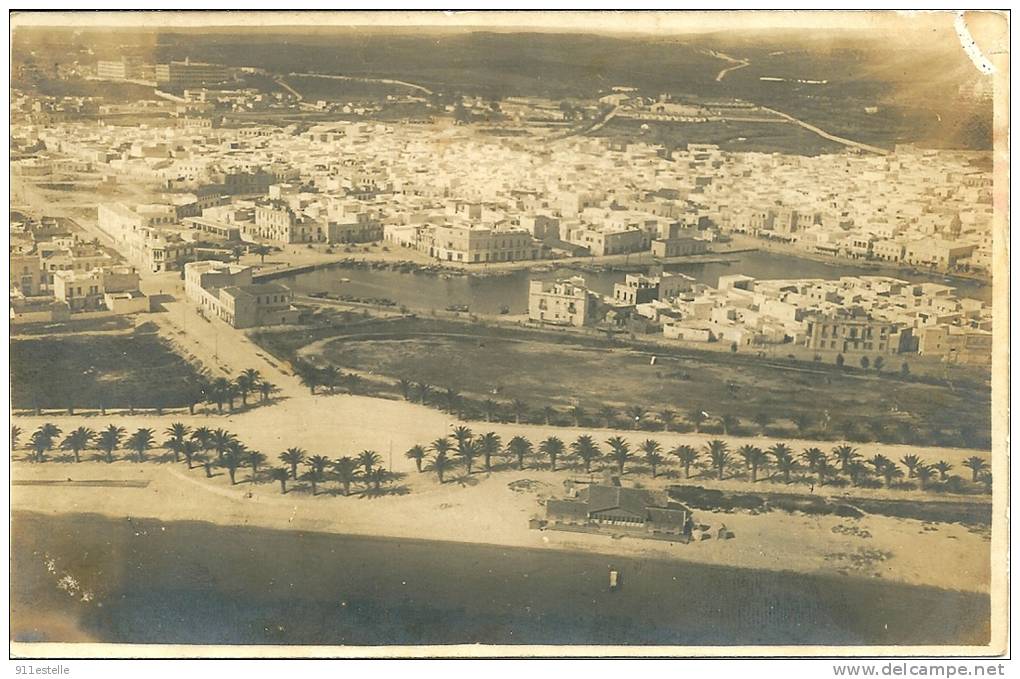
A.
x: 465, y: 480
x: 374, y: 493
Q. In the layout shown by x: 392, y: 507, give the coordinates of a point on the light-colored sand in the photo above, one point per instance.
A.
x: 482, y: 509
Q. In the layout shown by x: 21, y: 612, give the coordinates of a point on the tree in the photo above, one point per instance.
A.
x: 232, y: 458
x: 586, y: 449
x: 763, y: 420
x: 40, y: 442
x: 803, y: 422
x: 619, y: 452
x: 548, y: 415
x: 865, y: 362
x: 577, y: 413
x: 729, y: 423
x: 519, y: 447
x: 15, y: 434
x: 280, y: 474
x: 254, y: 459
x: 109, y: 440
x: 520, y: 409
x: 221, y: 440
x: 976, y: 465
x: 140, y: 441
x: 925, y: 473
x: 451, y: 401
x: 719, y: 453
x: 606, y: 414
x: 176, y: 433
x: 77, y: 441
x: 855, y: 470
x: 552, y: 448
x: 878, y: 363
x: 293, y: 457
x: 635, y: 415
x: 330, y: 377
x: 405, y: 385
x: 368, y: 459
x: 346, y: 470
x: 423, y: 389
x: 905, y: 369
x: 754, y: 458
x: 697, y: 417
x: 491, y: 408
x: 489, y: 444
x: 840, y: 360
x: 203, y: 437
x: 462, y: 435
x: 441, y: 464
x: 667, y: 416
x: 378, y: 477
x: 188, y: 449
x: 785, y: 462
x: 316, y: 468
x: 416, y: 453
x: 652, y: 453
x: 468, y: 452
x: 817, y: 462
x: 824, y: 469
x: 845, y: 455
x: 911, y: 462
x: 687, y: 455
x: 442, y: 445
x: 247, y: 382
x: 943, y: 468
x: 885, y: 468
x: 219, y: 392
x: 261, y: 250
x: 309, y: 376
x: 267, y: 389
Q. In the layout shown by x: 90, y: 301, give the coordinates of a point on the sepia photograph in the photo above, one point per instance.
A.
x: 508, y: 334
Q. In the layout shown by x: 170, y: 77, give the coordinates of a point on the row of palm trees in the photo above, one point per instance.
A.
x: 329, y: 377
x: 464, y: 448
x: 206, y: 448
x: 638, y: 417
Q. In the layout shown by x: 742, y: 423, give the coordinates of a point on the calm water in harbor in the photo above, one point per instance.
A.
x: 487, y: 294
x: 146, y: 581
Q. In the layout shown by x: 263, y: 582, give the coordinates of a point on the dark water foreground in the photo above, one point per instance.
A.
x: 120, y: 580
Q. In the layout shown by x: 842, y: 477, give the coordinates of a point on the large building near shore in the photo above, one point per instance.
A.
x: 563, y: 302
x: 187, y: 73
x: 228, y: 292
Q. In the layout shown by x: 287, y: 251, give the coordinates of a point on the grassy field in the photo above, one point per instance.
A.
x: 99, y: 371
x: 561, y: 370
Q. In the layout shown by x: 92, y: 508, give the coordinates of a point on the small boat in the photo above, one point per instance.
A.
x: 614, y: 579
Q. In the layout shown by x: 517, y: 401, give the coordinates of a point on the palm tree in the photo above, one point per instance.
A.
x: 280, y: 474
x: 255, y: 458
x: 488, y: 445
x: 232, y: 458
x: 51, y: 430
x: 697, y: 417
x: 468, y: 452
x: 814, y: 457
x: 462, y: 435
x: 606, y: 414
x: 378, y: 477
x: 548, y: 414
x: 519, y: 447
x: 754, y: 458
x: 619, y: 451
x: 491, y: 408
x: 911, y: 462
x: 667, y: 417
x: 203, y: 437
x: 330, y: 377
x: 416, y: 453
x: 925, y: 473
x: 577, y: 413
x: 845, y: 455
x: 785, y: 462
x: 346, y: 470
x: 885, y: 467
x: 316, y: 467
x: 15, y: 433
x: 176, y: 433
x: 405, y: 385
x: 687, y: 456
x: 219, y: 391
x: 802, y: 421
x: 368, y: 459
x: 729, y: 423
x: 247, y: 382
x: 352, y: 382
x: 586, y: 449
x: 635, y: 414
x: 140, y: 441
x: 451, y: 400
x: 441, y: 464
x: 520, y: 409
x: 976, y: 465
x: 293, y: 457
x: 109, y: 439
x: 309, y: 376
x: 40, y: 442
x: 267, y: 389
x: 188, y: 448
x: 423, y: 389
x: 763, y: 420
x: 442, y: 445
x: 652, y: 452
x: 220, y: 441
x: 943, y: 468
x: 553, y: 448
x: 77, y: 441
x: 719, y: 453
x: 855, y: 470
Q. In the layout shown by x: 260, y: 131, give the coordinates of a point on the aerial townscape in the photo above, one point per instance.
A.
x: 522, y: 330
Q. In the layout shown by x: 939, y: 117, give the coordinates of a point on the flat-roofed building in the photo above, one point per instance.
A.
x: 187, y: 73
x: 562, y: 302
x: 227, y: 292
